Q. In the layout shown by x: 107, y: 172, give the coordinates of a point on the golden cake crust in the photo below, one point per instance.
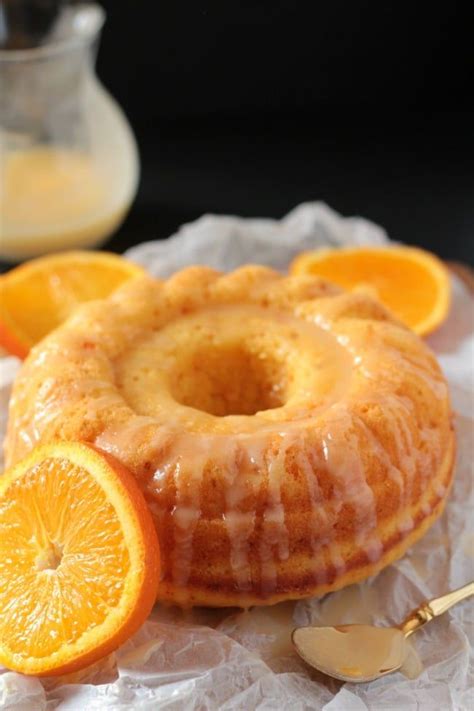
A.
x: 290, y: 438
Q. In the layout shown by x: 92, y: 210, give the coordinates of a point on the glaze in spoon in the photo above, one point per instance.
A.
x: 360, y: 653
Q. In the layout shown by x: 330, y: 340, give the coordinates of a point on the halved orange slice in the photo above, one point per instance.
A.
x: 412, y: 283
x: 79, y: 559
x: 39, y: 295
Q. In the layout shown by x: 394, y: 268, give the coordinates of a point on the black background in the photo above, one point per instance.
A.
x: 252, y: 107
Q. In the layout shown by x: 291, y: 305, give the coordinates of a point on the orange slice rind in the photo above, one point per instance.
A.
x: 411, y: 282
x: 40, y: 294
x: 79, y: 559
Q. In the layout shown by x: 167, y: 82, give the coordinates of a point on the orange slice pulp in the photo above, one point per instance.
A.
x: 79, y: 559
x: 412, y: 283
x: 40, y: 294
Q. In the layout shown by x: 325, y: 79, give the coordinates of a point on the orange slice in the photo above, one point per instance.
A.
x: 412, y: 283
x: 79, y: 559
x: 39, y: 295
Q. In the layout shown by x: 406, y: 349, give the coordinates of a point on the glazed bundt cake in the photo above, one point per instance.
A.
x: 290, y: 438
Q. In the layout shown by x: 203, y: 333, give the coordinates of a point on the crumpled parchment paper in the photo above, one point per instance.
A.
x: 203, y: 660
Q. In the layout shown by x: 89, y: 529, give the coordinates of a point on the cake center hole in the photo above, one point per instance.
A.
x: 229, y: 380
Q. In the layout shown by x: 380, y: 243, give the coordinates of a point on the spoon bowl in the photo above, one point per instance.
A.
x: 355, y: 653
x: 360, y: 653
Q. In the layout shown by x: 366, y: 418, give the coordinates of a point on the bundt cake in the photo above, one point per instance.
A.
x: 290, y: 438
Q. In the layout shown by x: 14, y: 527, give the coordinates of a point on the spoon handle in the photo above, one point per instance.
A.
x: 433, y: 608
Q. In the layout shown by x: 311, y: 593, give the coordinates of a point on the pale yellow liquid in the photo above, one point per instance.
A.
x: 53, y: 198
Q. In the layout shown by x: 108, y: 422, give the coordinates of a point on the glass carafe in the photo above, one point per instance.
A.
x: 68, y: 159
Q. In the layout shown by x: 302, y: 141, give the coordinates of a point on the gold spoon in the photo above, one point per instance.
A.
x: 361, y: 653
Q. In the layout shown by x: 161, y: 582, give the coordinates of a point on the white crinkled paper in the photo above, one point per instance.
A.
x: 203, y: 660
